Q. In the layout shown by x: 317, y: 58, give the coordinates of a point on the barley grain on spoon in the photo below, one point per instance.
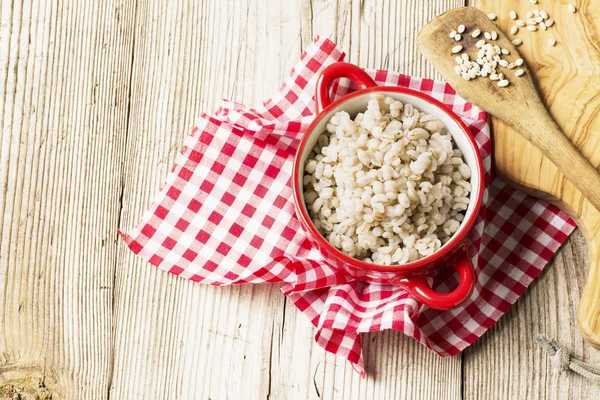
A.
x: 488, y: 35
x: 519, y: 72
x: 519, y: 62
x: 456, y: 49
x: 503, y: 83
x: 457, y: 37
x: 476, y: 33
x: 461, y: 28
x: 452, y: 34
x: 492, y: 16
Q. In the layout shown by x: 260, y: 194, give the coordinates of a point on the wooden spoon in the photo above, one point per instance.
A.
x: 518, y: 104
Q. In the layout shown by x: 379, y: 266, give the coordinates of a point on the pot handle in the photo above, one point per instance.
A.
x: 335, y: 71
x: 418, y: 287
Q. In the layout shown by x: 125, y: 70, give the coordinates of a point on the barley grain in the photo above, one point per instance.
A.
x: 513, y: 15
x: 456, y: 49
x: 572, y: 7
x: 387, y: 213
x: 503, y: 83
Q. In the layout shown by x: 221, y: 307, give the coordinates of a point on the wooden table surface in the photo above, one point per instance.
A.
x: 95, y: 100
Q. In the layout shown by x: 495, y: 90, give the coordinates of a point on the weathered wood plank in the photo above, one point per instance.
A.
x: 176, y: 339
x: 64, y: 85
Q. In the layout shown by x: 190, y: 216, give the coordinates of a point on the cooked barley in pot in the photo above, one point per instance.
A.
x: 389, y: 186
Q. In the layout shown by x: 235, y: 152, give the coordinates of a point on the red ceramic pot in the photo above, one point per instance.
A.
x: 411, y: 275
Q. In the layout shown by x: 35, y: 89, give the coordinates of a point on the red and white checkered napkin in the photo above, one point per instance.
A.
x: 225, y: 216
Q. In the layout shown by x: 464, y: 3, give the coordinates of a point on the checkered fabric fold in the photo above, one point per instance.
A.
x: 225, y: 215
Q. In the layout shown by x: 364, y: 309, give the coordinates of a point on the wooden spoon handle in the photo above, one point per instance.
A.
x: 588, y: 313
x: 540, y: 129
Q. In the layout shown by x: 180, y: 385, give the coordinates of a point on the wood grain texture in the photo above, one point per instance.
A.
x: 64, y: 85
x: 518, y: 105
x: 569, y: 80
x: 95, y: 101
x: 176, y: 339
